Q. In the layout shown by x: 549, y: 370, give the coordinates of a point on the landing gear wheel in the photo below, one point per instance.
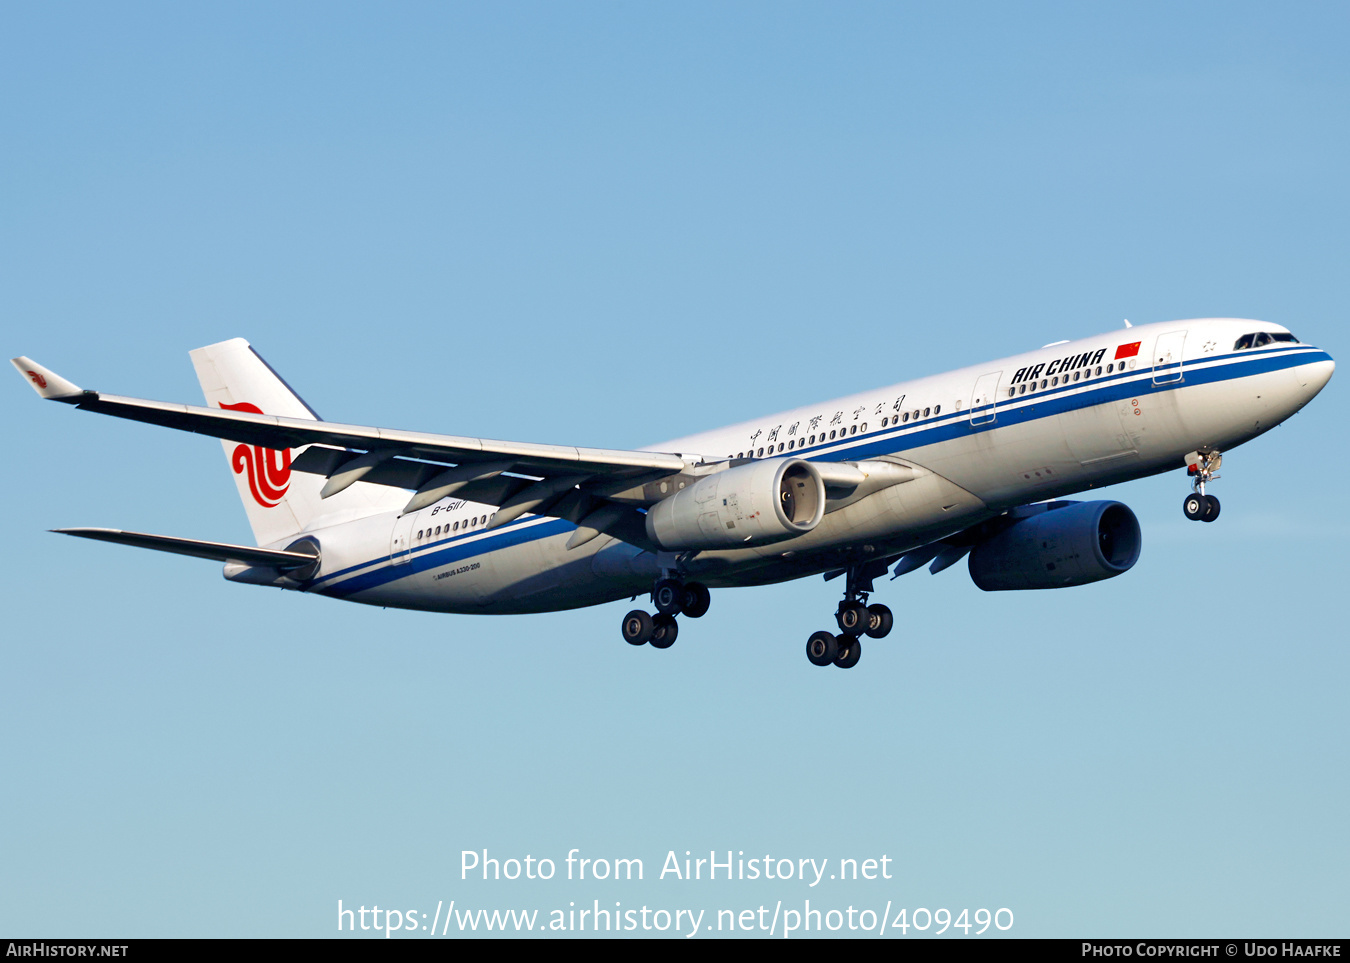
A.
x: 1202, y: 466
x: 696, y: 600
x: 664, y: 631
x: 879, y: 622
x: 852, y: 618
x: 668, y: 596
x: 822, y: 648
x: 637, y: 627
x: 848, y: 657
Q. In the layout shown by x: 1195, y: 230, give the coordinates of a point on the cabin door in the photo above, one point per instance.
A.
x: 1167, y: 357
x: 984, y: 399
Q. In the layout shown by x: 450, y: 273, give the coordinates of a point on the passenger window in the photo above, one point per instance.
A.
x: 925, y: 412
x: 905, y: 417
x: 937, y: 409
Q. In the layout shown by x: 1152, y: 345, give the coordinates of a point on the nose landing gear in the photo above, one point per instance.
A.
x: 1201, y: 467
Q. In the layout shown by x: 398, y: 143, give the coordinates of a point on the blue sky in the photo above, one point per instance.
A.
x: 607, y: 225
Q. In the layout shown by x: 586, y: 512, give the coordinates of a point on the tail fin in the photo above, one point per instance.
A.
x: 279, y: 503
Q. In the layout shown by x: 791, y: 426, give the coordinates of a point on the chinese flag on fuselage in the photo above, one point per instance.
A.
x: 1128, y: 350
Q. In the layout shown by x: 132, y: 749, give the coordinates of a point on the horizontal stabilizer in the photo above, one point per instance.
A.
x: 220, y: 551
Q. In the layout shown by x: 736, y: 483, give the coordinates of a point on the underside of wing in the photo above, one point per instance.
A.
x: 599, y: 490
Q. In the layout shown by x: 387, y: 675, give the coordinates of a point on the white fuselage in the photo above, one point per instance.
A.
x: 980, y: 440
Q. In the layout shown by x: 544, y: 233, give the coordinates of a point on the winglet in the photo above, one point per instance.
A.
x: 47, y: 383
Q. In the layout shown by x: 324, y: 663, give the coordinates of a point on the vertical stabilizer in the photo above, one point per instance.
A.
x: 279, y: 503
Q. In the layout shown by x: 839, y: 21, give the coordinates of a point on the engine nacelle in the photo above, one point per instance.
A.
x: 1075, y: 544
x: 755, y: 504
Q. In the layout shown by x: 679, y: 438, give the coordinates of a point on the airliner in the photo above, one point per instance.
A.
x: 973, y: 464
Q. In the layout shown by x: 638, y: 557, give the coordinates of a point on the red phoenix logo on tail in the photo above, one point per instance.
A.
x: 269, y: 470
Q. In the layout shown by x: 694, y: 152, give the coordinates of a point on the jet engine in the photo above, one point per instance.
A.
x: 755, y: 504
x: 1071, y: 543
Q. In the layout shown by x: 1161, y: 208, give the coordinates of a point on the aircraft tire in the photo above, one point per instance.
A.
x: 1195, y: 506
x: 696, y: 600
x: 637, y: 627
x: 1211, y: 509
x: 848, y: 658
x: 821, y: 648
x: 668, y: 596
x: 852, y: 618
x: 880, y: 621
x: 664, y: 631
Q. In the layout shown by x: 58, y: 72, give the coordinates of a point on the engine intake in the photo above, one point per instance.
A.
x: 1071, y: 543
x: 756, y: 504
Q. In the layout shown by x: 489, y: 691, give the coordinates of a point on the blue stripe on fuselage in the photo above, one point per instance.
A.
x: 1043, y: 404
x: 430, y: 558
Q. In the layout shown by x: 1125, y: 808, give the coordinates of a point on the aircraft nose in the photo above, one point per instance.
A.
x: 1313, y: 377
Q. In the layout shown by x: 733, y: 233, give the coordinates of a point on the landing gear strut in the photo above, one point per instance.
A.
x: 671, y: 597
x: 855, y: 619
x: 1201, y: 466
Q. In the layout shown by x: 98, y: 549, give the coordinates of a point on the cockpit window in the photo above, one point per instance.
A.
x: 1262, y: 338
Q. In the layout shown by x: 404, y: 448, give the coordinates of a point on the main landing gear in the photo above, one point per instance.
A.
x: 671, y: 597
x: 1201, y: 466
x: 855, y: 619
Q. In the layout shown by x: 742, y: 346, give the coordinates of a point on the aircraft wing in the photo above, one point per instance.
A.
x: 597, y: 489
